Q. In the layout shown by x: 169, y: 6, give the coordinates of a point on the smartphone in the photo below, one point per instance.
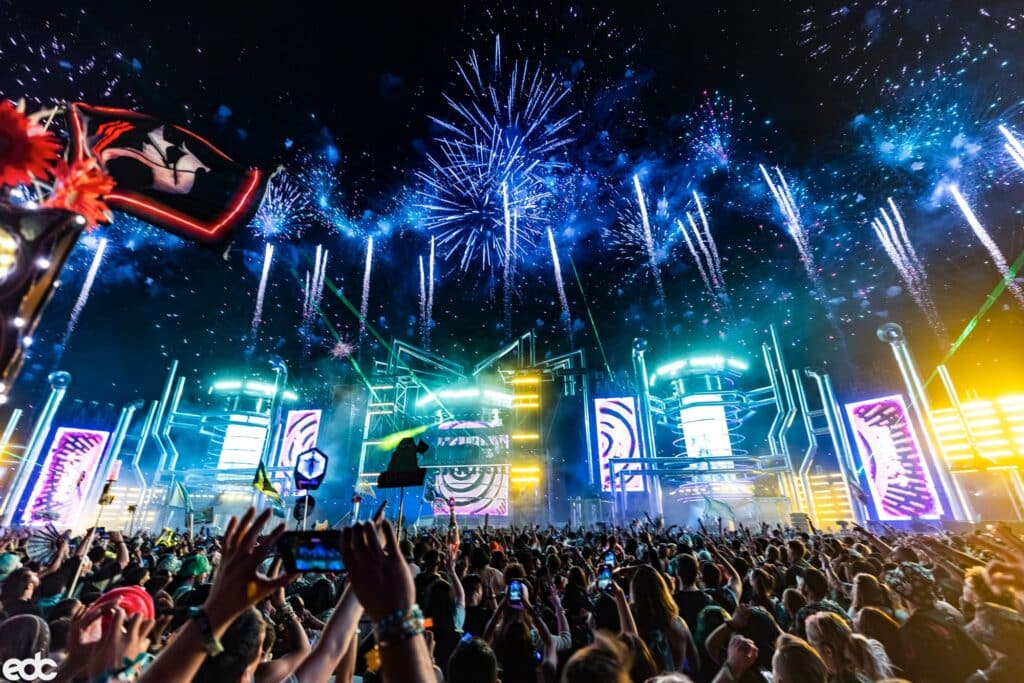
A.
x: 515, y: 594
x: 311, y: 551
x: 604, y: 578
x: 101, y: 532
x: 609, y: 558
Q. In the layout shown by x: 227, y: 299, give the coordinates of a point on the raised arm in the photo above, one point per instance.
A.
x: 382, y: 583
x: 627, y: 624
x: 239, y: 585
x: 453, y: 576
x: 117, y: 538
x: 334, y: 641
x: 734, y: 578
x: 280, y: 668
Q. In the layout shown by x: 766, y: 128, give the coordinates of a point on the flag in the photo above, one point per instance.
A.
x: 167, y: 175
x: 180, y: 498
x: 204, y: 516
x: 716, y: 508
x: 166, y: 539
x: 261, y: 482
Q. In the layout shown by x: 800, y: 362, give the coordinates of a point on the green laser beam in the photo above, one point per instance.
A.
x: 590, y: 315
x: 990, y: 301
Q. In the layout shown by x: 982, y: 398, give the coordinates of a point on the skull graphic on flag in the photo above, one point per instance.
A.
x: 167, y: 175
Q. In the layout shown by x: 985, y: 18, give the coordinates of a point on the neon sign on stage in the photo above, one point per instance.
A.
x: 890, y: 456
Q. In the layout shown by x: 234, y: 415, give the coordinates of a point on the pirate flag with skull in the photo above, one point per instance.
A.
x: 167, y: 175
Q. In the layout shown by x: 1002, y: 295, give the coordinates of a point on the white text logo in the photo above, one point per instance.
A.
x: 38, y: 668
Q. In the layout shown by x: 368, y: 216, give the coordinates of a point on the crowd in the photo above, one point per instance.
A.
x: 521, y: 605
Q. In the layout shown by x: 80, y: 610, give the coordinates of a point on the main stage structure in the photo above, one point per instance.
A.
x: 522, y: 439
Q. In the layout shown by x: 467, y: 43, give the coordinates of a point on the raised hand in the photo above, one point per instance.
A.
x: 239, y: 584
x: 378, y: 573
x: 741, y: 655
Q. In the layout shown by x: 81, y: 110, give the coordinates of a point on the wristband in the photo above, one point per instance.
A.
x: 284, y: 614
x: 401, y: 625
x: 211, y: 644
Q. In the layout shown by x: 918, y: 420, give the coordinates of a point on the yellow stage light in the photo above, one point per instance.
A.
x: 525, y: 437
x: 529, y: 379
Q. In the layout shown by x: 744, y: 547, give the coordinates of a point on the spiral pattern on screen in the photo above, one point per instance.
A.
x: 476, y: 490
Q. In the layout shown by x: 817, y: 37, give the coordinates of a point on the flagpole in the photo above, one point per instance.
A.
x: 305, y: 508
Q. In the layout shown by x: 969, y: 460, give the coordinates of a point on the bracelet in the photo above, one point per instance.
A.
x: 401, y: 625
x: 284, y: 614
x: 211, y: 644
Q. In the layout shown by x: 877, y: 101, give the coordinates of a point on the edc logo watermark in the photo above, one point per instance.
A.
x: 38, y: 668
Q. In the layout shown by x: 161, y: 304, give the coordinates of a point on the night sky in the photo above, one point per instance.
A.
x: 855, y: 102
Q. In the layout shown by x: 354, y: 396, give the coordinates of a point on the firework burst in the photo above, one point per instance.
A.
x: 501, y: 139
x: 285, y: 211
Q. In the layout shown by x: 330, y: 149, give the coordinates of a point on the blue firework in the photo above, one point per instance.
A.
x: 487, y: 189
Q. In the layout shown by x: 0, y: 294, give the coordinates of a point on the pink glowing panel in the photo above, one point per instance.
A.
x: 66, y: 474
x: 618, y: 436
x: 301, y: 429
x: 890, y: 456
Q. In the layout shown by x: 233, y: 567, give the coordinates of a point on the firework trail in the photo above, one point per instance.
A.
x: 507, y: 277
x: 648, y: 238
x: 423, y: 305
x: 1013, y: 146
x: 715, y: 261
x: 430, y: 296
x: 309, y: 292
x: 786, y: 203
x: 561, y: 287
x: 787, y: 207
x: 986, y: 239
x: 794, y: 226
x: 892, y: 233
x: 364, y: 306
x: 83, y: 295
x: 305, y: 300
x: 704, y: 251
x: 318, y: 280
x: 696, y: 256
x: 257, y: 316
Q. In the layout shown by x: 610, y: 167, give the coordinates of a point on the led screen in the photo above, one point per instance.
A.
x: 618, y: 436
x: 66, y: 474
x: 890, y: 456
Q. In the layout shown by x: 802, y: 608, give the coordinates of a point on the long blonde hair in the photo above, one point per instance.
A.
x: 851, y: 652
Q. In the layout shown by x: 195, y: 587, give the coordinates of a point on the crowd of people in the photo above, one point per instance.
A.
x: 645, y: 603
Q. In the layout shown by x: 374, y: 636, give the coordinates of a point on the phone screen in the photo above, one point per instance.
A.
x: 604, y: 578
x: 609, y: 558
x: 311, y: 551
x: 515, y: 593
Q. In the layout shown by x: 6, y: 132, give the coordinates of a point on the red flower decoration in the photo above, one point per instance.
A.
x: 26, y: 150
x: 80, y: 188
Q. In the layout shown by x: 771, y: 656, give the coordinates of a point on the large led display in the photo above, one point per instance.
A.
x: 243, y: 445
x: 65, y: 477
x: 301, y: 429
x: 890, y: 456
x: 618, y: 436
x: 705, y: 430
x: 476, y: 490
